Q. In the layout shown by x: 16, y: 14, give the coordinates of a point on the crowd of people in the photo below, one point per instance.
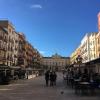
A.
x: 50, y: 78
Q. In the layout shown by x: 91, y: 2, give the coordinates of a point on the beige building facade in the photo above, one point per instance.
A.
x: 12, y: 36
x: 92, y: 46
x: 88, y: 48
x: 85, y: 48
x: 74, y: 55
x: 98, y: 45
x: 14, y: 49
x: 56, y: 62
x: 3, y: 46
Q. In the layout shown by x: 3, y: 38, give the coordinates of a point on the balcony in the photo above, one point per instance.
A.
x: 3, y: 58
x: 3, y: 48
x: 20, y: 61
x: 23, y: 49
x: 15, y: 56
x: 16, y: 48
x: 21, y: 55
x: 5, y: 40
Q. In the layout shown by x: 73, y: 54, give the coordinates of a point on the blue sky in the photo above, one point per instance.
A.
x: 52, y: 25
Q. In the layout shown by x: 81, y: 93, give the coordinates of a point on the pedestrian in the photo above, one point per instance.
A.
x: 54, y: 78
x: 47, y: 77
x: 51, y: 78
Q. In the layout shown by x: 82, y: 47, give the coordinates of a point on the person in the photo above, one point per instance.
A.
x: 47, y: 77
x: 51, y: 78
x: 54, y: 78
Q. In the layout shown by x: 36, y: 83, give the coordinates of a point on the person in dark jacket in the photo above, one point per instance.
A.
x: 54, y: 78
x: 47, y: 77
x: 51, y: 78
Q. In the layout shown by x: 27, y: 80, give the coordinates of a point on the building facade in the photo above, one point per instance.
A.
x: 37, y: 60
x: 56, y: 62
x: 8, y: 26
x: 21, y: 50
x: 14, y: 49
x: 88, y: 49
x: 92, y: 46
x: 85, y: 49
x: 98, y: 45
x: 3, y: 46
x: 74, y: 55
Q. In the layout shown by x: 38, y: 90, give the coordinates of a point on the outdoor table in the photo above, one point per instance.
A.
x: 84, y: 83
x: 76, y: 80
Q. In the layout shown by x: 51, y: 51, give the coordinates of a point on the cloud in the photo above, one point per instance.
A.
x: 42, y: 52
x: 36, y: 6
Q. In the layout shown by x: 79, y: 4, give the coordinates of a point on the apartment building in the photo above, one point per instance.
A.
x: 88, y: 48
x: 11, y: 41
x: 85, y: 49
x: 21, y: 50
x: 14, y: 49
x: 98, y: 45
x: 3, y: 46
x: 92, y: 46
x: 37, y: 59
x: 74, y: 55
x: 29, y: 54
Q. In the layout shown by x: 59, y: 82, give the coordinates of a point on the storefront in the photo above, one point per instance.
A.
x: 5, y: 73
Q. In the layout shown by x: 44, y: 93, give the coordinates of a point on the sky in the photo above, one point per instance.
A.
x: 52, y: 26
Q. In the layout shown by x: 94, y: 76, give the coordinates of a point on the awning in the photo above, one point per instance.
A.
x: 3, y: 67
x: 29, y: 68
x: 14, y: 67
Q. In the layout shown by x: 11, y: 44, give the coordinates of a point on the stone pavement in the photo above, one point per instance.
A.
x: 35, y: 89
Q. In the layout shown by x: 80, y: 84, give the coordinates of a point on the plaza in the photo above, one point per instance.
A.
x: 35, y: 89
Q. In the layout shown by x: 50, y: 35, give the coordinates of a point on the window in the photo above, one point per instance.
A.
x: 98, y: 48
x: 9, y: 30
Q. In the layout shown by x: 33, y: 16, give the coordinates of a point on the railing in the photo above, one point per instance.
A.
x: 3, y: 58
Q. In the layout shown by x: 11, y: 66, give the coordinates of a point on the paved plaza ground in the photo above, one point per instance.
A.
x: 35, y: 89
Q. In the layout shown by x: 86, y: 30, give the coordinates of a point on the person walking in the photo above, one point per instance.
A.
x: 51, y: 78
x: 47, y: 77
x: 54, y: 78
